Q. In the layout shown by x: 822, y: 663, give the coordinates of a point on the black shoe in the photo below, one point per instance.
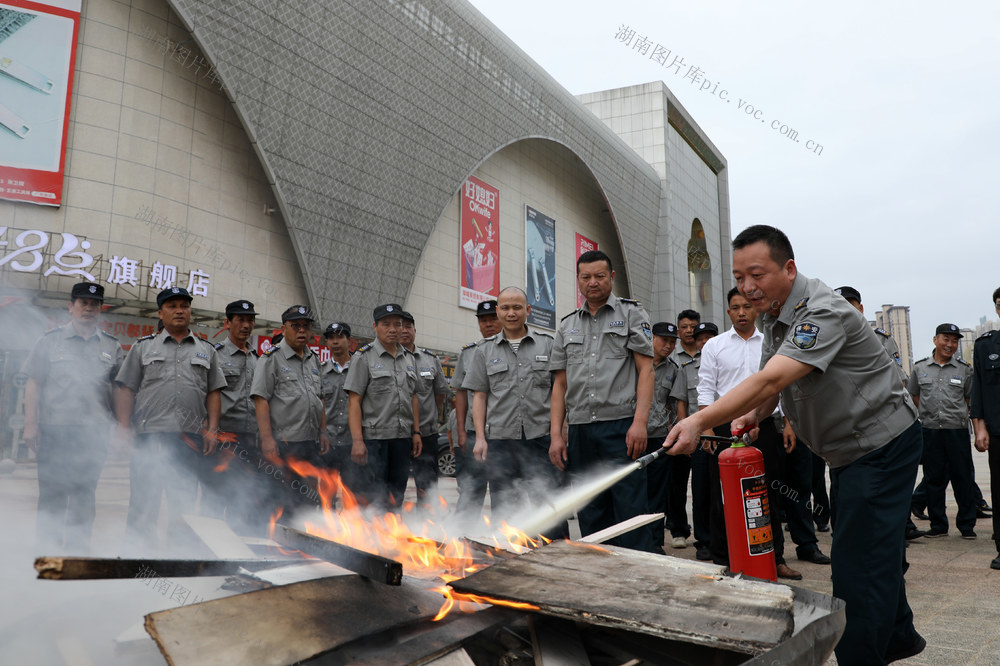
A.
x: 933, y: 534
x: 968, y: 534
x: 703, y: 554
x: 911, y: 650
x: 919, y: 514
x: 815, y: 556
x: 982, y: 513
x: 984, y: 506
x: 914, y: 533
x: 995, y: 564
x: 825, y: 527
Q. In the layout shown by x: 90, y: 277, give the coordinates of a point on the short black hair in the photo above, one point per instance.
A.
x: 732, y: 292
x: 590, y: 256
x: 689, y: 314
x: 775, y: 239
x: 996, y: 295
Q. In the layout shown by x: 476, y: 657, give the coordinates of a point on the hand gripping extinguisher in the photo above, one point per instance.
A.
x: 747, y: 510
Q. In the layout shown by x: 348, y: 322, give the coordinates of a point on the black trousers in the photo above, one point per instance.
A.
x: 795, y: 484
x: 425, y: 470
x: 472, y: 482
x: 522, y: 478
x: 768, y: 441
x: 658, y: 492
x: 595, y: 445
x: 70, y: 460
x: 948, y: 457
x: 994, y: 460
x: 871, y: 500
x: 820, y: 503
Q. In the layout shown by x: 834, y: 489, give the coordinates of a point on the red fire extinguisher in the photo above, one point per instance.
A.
x: 747, y: 511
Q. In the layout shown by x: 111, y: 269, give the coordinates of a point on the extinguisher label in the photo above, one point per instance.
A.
x: 758, y: 515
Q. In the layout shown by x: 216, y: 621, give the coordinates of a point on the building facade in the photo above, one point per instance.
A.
x: 329, y: 154
x: 895, y: 320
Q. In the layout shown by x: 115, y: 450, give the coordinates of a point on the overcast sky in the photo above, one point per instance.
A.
x: 903, y: 97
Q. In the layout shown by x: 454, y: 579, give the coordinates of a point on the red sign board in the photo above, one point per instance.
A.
x: 480, y: 243
x: 583, y: 244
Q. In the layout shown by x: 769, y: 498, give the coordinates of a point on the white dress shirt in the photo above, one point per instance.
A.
x: 726, y: 360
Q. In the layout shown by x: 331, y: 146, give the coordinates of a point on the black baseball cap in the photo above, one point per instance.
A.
x: 486, y: 308
x: 297, y: 312
x: 337, y: 328
x: 950, y: 329
x: 387, y: 310
x: 665, y: 329
x: 706, y: 327
x: 240, y: 307
x: 87, y: 290
x: 172, y: 292
x: 407, y: 317
x: 850, y: 293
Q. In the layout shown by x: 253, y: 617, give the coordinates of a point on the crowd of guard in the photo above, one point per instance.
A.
x: 217, y: 429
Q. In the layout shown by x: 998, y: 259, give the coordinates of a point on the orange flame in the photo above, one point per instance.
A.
x: 429, y: 554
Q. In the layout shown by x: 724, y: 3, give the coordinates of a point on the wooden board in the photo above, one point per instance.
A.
x: 285, y: 625
x: 92, y: 568
x: 609, y: 533
x: 654, y: 594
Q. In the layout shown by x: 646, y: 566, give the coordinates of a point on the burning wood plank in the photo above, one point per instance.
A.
x: 93, y: 568
x: 374, y: 567
x: 286, y: 625
x: 653, y: 594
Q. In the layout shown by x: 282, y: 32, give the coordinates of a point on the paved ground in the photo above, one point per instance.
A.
x: 954, y: 594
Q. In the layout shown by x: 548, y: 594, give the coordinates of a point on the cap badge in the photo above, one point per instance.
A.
x: 486, y: 306
x: 246, y: 306
x: 388, y: 308
x: 302, y: 310
x: 837, y: 291
x: 175, y: 290
x: 93, y: 288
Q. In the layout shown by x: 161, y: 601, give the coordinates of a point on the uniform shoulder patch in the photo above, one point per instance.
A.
x: 569, y: 315
x: 470, y: 345
x: 631, y: 301
x: 146, y: 337
x: 543, y: 334
x: 688, y: 362
x: 647, y: 330
x: 108, y: 334
x: 270, y: 351
x: 922, y: 360
x: 805, y: 334
x: 365, y: 348
x: 424, y: 350
x: 882, y: 333
x: 219, y: 345
x: 985, y: 335
x: 801, y: 304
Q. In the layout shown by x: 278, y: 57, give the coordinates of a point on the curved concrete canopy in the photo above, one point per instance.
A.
x: 367, y: 117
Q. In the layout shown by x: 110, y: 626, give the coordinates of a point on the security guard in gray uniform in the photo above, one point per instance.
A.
x: 383, y: 412
x: 843, y: 396
x: 469, y: 472
x: 229, y: 477
x: 67, y: 420
x: 941, y: 386
x: 333, y: 372
x: 170, y: 392
x: 290, y: 417
x: 602, y: 360
x: 431, y: 389
x: 512, y: 386
x: 662, y: 414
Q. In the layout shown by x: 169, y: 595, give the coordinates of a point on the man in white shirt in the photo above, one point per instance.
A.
x: 726, y: 360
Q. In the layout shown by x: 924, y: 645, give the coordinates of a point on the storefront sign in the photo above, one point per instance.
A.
x: 480, y: 243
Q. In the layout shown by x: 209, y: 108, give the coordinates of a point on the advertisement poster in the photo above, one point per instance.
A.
x: 37, y: 53
x: 480, y: 239
x: 583, y: 244
x: 540, y: 267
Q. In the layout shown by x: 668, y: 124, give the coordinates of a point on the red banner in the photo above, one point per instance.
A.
x: 583, y: 244
x: 37, y: 58
x: 480, y: 243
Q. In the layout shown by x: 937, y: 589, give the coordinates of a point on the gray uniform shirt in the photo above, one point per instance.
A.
x: 595, y: 352
x: 943, y: 390
x: 386, y: 384
x: 430, y: 382
x: 892, y: 350
x: 661, y: 412
x: 170, y: 380
x: 689, y: 365
x: 332, y: 376
x: 291, y: 386
x: 852, y: 403
x: 75, y: 376
x: 238, y: 412
x: 458, y: 378
x: 518, y: 385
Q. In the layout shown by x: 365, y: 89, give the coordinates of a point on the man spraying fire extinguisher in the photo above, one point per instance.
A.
x: 842, y: 393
